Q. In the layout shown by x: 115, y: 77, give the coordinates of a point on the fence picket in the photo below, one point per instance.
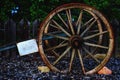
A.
x: 35, y: 27
x: 10, y: 31
x: 23, y: 31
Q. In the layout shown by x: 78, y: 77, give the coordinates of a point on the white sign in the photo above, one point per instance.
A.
x: 27, y: 47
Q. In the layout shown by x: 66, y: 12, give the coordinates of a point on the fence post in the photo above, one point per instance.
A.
x: 10, y: 37
x: 2, y: 33
x: 115, y: 25
x: 10, y: 31
x: 23, y: 32
x: 35, y: 27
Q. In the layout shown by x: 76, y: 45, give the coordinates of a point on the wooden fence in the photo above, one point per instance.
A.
x: 11, y: 31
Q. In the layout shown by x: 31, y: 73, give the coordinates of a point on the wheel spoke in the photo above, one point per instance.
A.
x: 68, y: 12
x: 62, y: 20
x: 61, y: 28
x: 57, y: 55
x: 56, y: 36
x: 62, y: 55
x: 79, y: 18
x: 90, y: 54
x: 71, y: 61
x: 55, y: 47
x: 95, y: 45
x: 92, y: 36
x: 81, y: 61
x: 88, y: 22
x: 88, y: 27
x: 54, y: 26
x: 54, y: 53
x: 94, y: 31
x: 79, y: 21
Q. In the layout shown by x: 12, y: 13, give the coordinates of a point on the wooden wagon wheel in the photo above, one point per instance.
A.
x: 73, y: 31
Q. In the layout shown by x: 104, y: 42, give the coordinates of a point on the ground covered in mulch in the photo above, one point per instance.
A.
x: 26, y: 68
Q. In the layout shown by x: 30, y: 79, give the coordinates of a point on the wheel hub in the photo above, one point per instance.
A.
x: 76, y: 41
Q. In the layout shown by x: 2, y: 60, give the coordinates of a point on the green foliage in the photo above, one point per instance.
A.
x: 5, y: 8
x: 40, y: 0
x: 108, y: 7
x: 38, y: 9
x: 99, y: 4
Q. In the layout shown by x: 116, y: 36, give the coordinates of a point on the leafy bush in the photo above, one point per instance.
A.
x: 32, y: 9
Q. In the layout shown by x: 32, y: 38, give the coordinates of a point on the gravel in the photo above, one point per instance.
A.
x: 26, y: 68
